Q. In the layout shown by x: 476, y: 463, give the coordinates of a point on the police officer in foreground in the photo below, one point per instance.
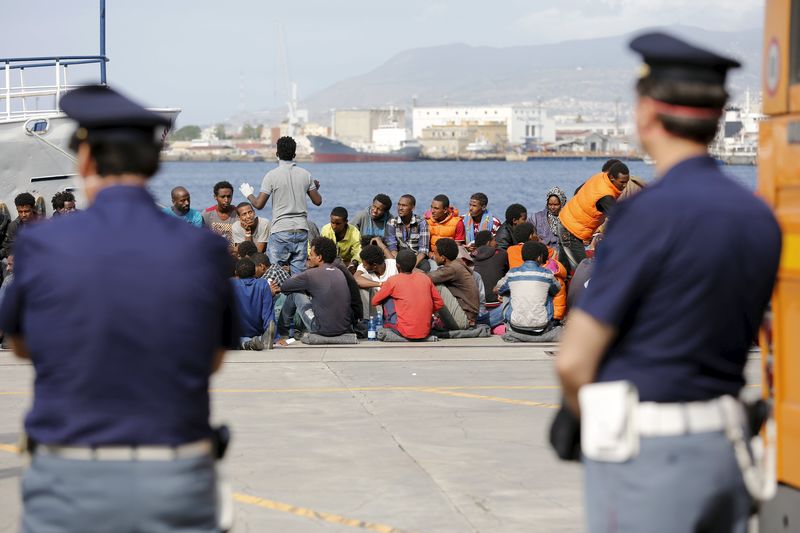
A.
x: 123, y: 338
x: 652, y: 359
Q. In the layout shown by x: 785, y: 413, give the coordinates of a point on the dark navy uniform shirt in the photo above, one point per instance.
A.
x: 684, y: 275
x: 121, y: 307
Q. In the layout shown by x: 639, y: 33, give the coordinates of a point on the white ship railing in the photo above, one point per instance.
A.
x: 14, y: 88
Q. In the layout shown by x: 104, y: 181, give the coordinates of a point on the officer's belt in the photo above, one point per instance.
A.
x: 672, y: 419
x: 190, y: 450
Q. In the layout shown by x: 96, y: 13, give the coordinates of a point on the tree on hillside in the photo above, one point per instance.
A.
x: 186, y: 133
x: 220, y: 131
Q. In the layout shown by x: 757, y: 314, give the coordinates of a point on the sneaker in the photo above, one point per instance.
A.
x: 256, y: 344
x: 269, y: 336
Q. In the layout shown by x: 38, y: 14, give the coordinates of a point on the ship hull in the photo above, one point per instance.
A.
x: 329, y: 151
x: 43, y: 166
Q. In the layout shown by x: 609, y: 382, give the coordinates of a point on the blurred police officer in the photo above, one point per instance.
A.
x: 123, y: 338
x: 678, y: 292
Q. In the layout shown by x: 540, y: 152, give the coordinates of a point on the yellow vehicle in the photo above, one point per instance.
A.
x: 779, y: 185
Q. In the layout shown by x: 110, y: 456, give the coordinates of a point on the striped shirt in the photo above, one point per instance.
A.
x: 416, y: 237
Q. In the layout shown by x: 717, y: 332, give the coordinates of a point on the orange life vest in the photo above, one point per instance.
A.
x: 445, y: 228
x: 560, y: 299
x: 515, y: 256
x: 580, y: 216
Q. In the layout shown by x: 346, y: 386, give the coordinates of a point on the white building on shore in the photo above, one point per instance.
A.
x: 523, y: 124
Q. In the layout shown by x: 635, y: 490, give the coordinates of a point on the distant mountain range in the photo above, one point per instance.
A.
x: 599, y: 70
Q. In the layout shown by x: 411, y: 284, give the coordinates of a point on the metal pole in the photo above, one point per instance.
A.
x: 22, y: 90
x: 8, y: 91
x: 103, y: 41
x: 58, y: 83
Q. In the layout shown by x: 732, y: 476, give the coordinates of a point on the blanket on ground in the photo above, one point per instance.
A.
x: 346, y: 338
x: 481, y: 330
x: 552, y: 335
x: 390, y: 335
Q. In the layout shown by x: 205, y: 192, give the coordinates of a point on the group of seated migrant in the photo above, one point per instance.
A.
x: 432, y: 272
x: 438, y: 271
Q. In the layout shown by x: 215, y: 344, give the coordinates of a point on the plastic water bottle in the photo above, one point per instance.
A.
x: 378, y: 321
x: 371, y: 329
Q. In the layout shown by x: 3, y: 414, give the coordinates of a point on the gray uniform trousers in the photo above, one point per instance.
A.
x: 684, y: 484
x: 86, y: 496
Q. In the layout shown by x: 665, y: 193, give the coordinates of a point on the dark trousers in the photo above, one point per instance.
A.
x: 571, y: 250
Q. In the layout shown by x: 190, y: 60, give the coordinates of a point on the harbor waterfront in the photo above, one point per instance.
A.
x: 352, y: 185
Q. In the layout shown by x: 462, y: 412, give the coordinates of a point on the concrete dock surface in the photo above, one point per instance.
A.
x: 389, y: 438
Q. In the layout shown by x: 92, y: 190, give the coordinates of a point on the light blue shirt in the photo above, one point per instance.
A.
x: 192, y: 216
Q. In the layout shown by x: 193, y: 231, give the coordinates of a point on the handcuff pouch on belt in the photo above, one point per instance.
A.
x: 608, y: 421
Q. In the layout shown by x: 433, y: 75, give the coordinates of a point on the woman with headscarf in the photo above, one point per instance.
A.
x: 546, y: 221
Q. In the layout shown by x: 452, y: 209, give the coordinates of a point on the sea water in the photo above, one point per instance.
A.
x: 353, y: 185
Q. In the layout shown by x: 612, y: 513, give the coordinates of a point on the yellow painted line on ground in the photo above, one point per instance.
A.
x: 15, y: 393
x: 285, y: 508
x: 511, y: 401
x: 384, y: 389
x: 9, y: 448
x: 314, y: 515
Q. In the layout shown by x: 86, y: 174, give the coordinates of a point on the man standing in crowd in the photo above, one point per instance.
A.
x: 408, y: 231
x: 478, y: 219
x: 515, y: 214
x: 254, y: 298
x: 220, y: 217
x: 26, y: 213
x: 371, y: 222
x: 63, y: 203
x: 651, y: 354
x: 287, y: 185
x: 249, y: 227
x: 320, y: 295
x: 587, y: 210
x: 120, y: 413
x: 181, y: 207
x: 346, y: 236
x: 444, y: 221
x: 409, y: 299
x: 456, y: 286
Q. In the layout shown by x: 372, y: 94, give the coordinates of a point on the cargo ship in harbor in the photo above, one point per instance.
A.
x: 389, y: 144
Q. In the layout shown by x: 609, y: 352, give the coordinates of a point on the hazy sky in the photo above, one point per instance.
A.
x: 199, y: 54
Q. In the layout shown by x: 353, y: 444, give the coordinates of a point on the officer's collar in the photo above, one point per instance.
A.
x: 689, y: 165
x: 122, y: 192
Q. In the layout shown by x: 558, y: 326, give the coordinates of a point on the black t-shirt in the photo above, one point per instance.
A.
x: 330, y: 297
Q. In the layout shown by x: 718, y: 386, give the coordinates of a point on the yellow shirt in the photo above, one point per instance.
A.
x: 349, y: 248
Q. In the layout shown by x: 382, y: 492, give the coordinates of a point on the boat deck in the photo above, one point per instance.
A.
x: 389, y: 438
